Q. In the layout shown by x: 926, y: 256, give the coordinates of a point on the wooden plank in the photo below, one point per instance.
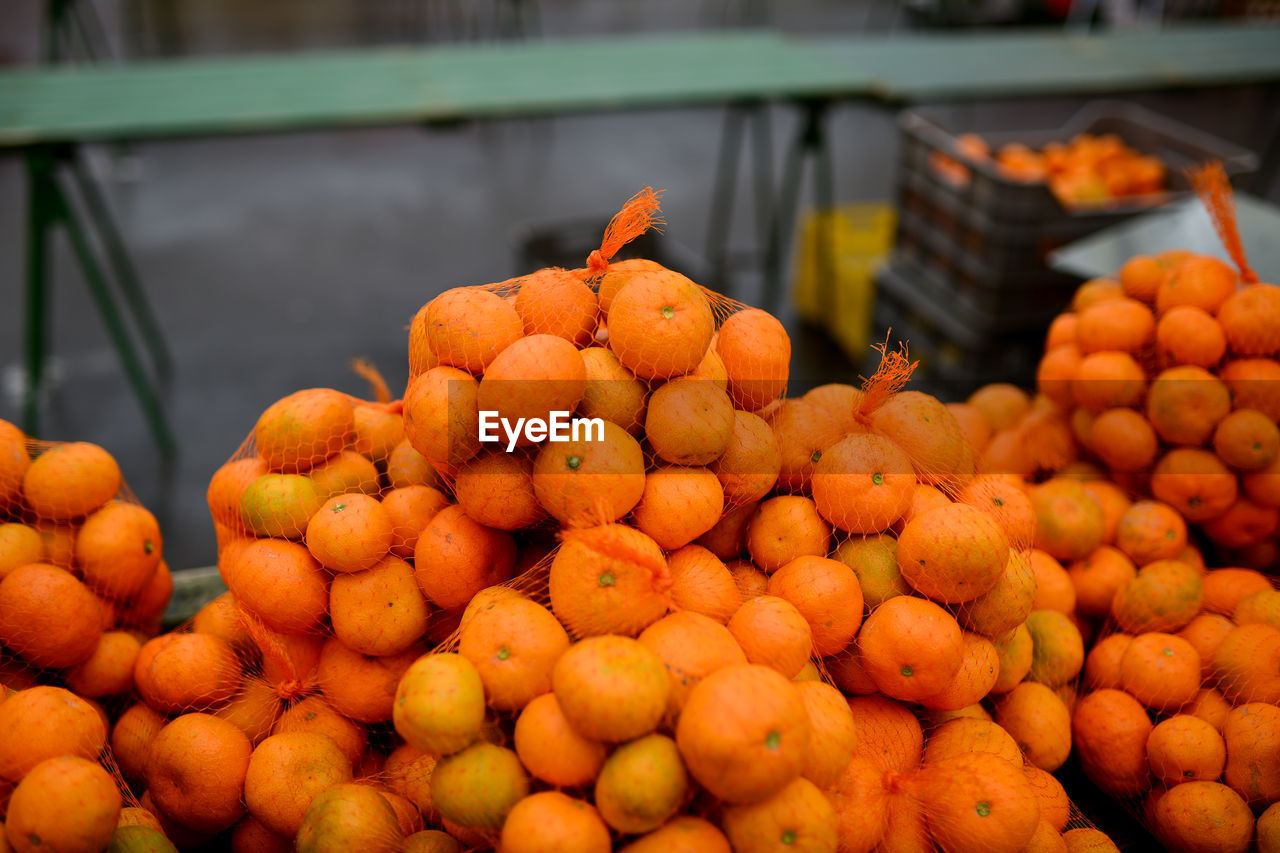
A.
x: 405, y: 86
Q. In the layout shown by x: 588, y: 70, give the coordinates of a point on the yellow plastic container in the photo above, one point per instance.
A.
x: 859, y: 237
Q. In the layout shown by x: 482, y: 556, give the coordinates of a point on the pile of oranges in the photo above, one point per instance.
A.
x: 83, y: 586
x: 1170, y: 375
x: 1087, y: 169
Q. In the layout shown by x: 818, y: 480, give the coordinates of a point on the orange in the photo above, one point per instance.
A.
x: 347, y: 817
x: 442, y: 416
x: 555, y: 301
x: 1189, y: 335
x: 1124, y: 325
x: 1268, y: 829
x: 862, y: 805
x: 744, y: 733
x: 361, y: 687
x: 410, y: 509
x: 1185, y: 404
x: 1093, y: 291
x: 14, y: 461
x: 1260, y: 607
x: 786, y: 527
x: 973, y: 424
x: 660, y: 324
x: 286, y: 772
x: 1203, y: 816
x: 1039, y: 722
x: 64, y: 804
x: 889, y: 734
x: 440, y: 703
x: 1243, y: 524
x: 1109, y: 730
x: 408, y: 467
x: 911, y: 648
x: 1069, y: 521
x: 874, y: 559
x: 380, y: 611
x: 69, y: 481
x: 832, y: 733
x: 1252, y: 735
x: 495, y: 488
x: 531, y: 379
x: 642, y: 784
x: 1084, y: 840
x: 772, y: 632
x: 689, y: 421
x: 839, y: 401
x: 863, y: 483
x: 1005, y: 500
x: 608, y: 579
x: 1097, y: 578
x: 314, y: 715
x: 926, y: 432
x: 953, y: 553
x: 47, y: 616
x: 176, y: 673
x: 611, y: 688
x: 467, y: 327
x: 1062, y: 330
x: 1102, y: 663
x: 1250, y: 317
x: 1165, y: 596
x: 379, y: 429
x: 455, y: 558
x: 131, y: 739
x: 590, y: 482
x: 302, y: 430
x: 978, y: 672
x: 678, y: 505
x: 1055, y: 806
x: 196, y: 772
x: 1184, y: 748
x: 1056, y: 373
x: 963, y: 735
x: 1123, y: 440
x: 514, y: 644
x: 1107, y: 380
x: 551, y: 749
x: 226, y: 488
x: 1224, y: 589
x: 1246, y: 439
x: 350, y: 533
x: 1199, y: 281
x: 804, y: 431
x: 347, y: 471
x: 109, y: 670
x: 1005, y: 605
x: 691, y: 647
x: 749, y: 579
x: 1140, y: 277
x: 827, y: 594
x: 1246, y: 663
x: 279, y: 505
x: 280, y: 583
x: 700, y: 583
x: 1113, y: 501
x: 751, y: 462
x: 799, y: 817
x: 1162, y: 671
x: 1253, y: 383
x: 407, y: 772
x: 1195, y: 483
x: 550, y: 820
x: 1151, y: 531
x: 254, y: 709
x: 1205, y: 633
x: 977, y: 802
x: 682, y: 834
x: 43, y: 722
x: 1057, y: 648
x: 756, y: 352
x: 613, y: 392
x: 19, y: 545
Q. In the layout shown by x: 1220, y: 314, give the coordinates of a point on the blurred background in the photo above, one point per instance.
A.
x: 272, y: 261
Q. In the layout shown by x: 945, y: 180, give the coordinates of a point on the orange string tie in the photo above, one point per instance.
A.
x: 638, y: 215
x: 894, y: 372
x: 377, y: 385
x: 1214, y: 188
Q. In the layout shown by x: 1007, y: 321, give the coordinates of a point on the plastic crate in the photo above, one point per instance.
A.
x: 954, y: 358
x: 988, y: 237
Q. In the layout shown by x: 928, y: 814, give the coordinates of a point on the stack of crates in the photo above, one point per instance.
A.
x: 967, y: 284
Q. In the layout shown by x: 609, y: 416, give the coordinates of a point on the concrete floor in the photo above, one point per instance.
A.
x: 273, y: 261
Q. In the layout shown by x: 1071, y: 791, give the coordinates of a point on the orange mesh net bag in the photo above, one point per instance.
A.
x: 83, y: 585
